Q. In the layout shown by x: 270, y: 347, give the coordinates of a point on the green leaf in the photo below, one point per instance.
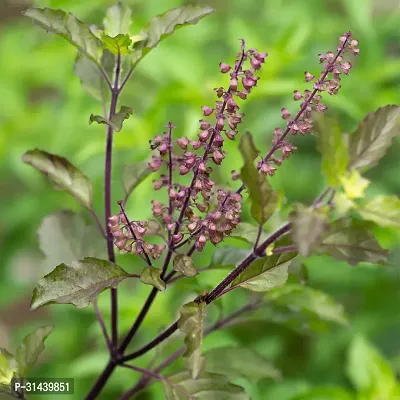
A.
x: 273, y: 277
x: 116, y: 121
x: 205, y: 387
x: 70, y: 28
x: 118, y: 20
x: 77, y: 283
x: 62, y: 174
x: 8, y: 368
x: 354, y: 184
x: 325, y: 393
x: 133, y: 175
x: 383, y: 210
x: 166, y: 24
x: 352, y: 241
x: 236, y: 362
x: 92, y: 80
x: 343, y: 204
x: 184, y: 264
x: 191, y: 324
x: 151, y: 276
x: 369, y: 372
x: 268, y: 272
x: 32, y: 346
x: 308, y: 225
x: 65, y: 237
x: 333, y: 148
x: 264, y: 199
x: 248, y: 233
x: 301, y: 307
x: 228, y: 257
x: 373, y: 136
x: 117, y: 45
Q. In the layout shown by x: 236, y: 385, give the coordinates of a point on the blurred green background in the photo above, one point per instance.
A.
x: 43, y: 105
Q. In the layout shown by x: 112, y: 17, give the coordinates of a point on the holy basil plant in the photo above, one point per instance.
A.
x: 194, y: 211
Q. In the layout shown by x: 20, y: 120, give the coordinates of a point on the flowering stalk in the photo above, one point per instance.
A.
x: 302, y: 122
x: 199, y: 221
x: 219, y: 290
x: 220, y: 222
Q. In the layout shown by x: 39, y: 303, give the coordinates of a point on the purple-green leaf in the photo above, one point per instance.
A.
x: 308, y: 225
x: 373, y: 136
x: 352, y: 241
x: 117, y: 20
x: 191, y: 323
x: 240, y: 362
x: 164, y: 25
x: 264, y: 200
x: 184, y: 264
x: 152, y: 276
x: 206, y: 387
x: 77, y: 283
x: 116, y: 120
x: 119, y: 44
x: 32, y: 346
x: 267, y: 272
x: 332, y: 146
x: 70, y: 28
x: 62, y: 174
x: 8, y: 369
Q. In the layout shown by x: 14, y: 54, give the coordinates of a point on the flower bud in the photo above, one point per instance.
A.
x: 256, y: 64
x: 203, y: 136
x: 233, y: 85
x: 157, y: 185
x: 163, y: 149
x: 260, y: 56
x: 235, y: 175
x: 220, y: 124
x: 202, y: 239
x: 183, y: 142
x: 224, y: 68
x: 297, y: 95
x: 112, y: 221
x: 207, y: 110
x: 308, y: 76
x: 183, y: 170
x: 204, y: 125
x: 230, y: 134
x: 177, y: 238
x: 285, y: 113
x: 195, y: 144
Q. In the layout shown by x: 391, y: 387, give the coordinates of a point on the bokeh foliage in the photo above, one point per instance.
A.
x: 43, y: 105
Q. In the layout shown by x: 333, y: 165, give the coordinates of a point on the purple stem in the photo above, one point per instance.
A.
x: 154, y: 291
x: 146, y: 256
x: 102, y: 379
x: 215, y: 293
x: 102, y: 325
x: 145, y: 380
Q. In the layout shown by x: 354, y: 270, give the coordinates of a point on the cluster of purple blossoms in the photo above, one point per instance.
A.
x: 329, y: 81
x: 128, y: 236
x: 189, y: 215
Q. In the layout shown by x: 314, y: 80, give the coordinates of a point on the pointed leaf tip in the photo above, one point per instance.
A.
x: 31, y: 348
x: 77, y: 283
x: 62, y: 174
x: 164, y: 25
x: 152, y: 276
x: 70, y: 28
x: 373, y: 136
